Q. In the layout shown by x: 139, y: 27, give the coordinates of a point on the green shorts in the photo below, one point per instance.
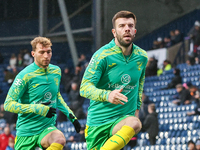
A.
x: 31, y: 142
x: 96, y: 136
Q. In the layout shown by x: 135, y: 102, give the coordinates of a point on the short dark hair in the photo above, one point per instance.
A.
x: 152, y: 107
x: 179, y: 86
x: 123, y: 14
x: 190, y: 141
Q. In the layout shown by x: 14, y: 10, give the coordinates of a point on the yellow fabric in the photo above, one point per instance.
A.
x: 168, y: 67
x: 55, y: 146
x: 120, y: 139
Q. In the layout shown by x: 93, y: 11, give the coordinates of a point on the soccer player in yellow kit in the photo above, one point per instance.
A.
x: 35, y: 95
x: 113, y: 81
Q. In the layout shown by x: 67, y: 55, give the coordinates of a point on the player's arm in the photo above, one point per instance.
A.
x: 62, y: 106
x: 90, y: 79
x: 15, y: 92
x: 141, y: 84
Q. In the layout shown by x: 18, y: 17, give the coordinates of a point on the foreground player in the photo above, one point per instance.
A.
x: 35, y: 95
x: 114, y: 82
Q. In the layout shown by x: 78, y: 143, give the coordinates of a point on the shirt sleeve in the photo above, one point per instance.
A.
x: 141, y: 85
x: 15, y: 92
x: 62, y: 106
x: 90, y: 79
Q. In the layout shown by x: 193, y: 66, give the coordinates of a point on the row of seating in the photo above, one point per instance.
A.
x: 176, y: 108
x: 161, y: 93
x: 162, y: 147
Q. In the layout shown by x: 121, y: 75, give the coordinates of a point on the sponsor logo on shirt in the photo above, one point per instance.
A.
x: 34, y: 86
x: 118, y: 86
x: 125, y: 79
x: 47, y: 96
x: 18, y: 82
x: 49, y: 128
x: 113, y: 64
x: 92, y: 61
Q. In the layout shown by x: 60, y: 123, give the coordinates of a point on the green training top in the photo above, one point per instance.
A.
x: 108, y: 70
x: 31, y: 87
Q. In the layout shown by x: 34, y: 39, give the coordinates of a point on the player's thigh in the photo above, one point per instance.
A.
x: 96, y: 136
x: 26, y: 143
x: 49, y: 134
x: 131, y: 121
x: 55, y: 136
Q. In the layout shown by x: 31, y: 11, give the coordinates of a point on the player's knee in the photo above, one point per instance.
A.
x: 61, y: 140
x: 137, y: 125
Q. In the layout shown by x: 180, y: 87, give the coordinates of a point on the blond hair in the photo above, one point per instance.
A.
x: 41, y: 40
x: 123, y: 14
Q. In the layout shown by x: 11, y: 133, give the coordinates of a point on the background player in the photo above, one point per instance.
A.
x: 35, y: 95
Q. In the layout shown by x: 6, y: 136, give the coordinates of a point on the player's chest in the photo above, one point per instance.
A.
x: 124, y: 71
x: 44, y: 83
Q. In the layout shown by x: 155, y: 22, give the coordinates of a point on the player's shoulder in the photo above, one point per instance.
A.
x: 26, y: 70
x: 139, y: 51
x: 107, y: 50
x: 54, y: 68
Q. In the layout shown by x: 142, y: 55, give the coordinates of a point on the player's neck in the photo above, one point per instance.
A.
x: 126, y: 50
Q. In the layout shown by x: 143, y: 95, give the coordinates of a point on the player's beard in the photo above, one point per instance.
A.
x: 124, y: 43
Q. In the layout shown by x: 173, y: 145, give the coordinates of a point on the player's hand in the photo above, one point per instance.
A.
x: 116, y: 97
x: 75, y: 123
x: 51, y: 112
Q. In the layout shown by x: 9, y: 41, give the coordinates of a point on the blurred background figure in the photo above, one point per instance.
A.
x: 19, y: 60
x: 197, y: 144
x: 166, y: 67
x: 152, y: 67
x: 4, y: 138
x: 177, y: 79
x: 76, y: 101
x: 184, y: 96
x: 191, y: 145
x: 1, y: 58
x: 66, y: 79
x: 8, y: 76
x: 151, y: 125
x: 27, y: 59
x: 144, y: 107
x: 11, y: 144
x: 194, y: 91
x: 78, y: 137
x: 167, y: 42
x: 12, y: 61
x: 194, y: 34
x: 178, y: 36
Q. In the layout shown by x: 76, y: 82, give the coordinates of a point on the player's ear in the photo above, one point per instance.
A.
x: 33, y: 53
x: 114, y: 32
x: 135, y: 31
